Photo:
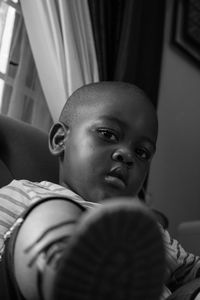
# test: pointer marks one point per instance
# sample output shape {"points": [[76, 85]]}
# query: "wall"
{"points": [[174, 182]]}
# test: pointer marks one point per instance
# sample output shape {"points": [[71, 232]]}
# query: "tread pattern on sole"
{"points": [[116, 253]]}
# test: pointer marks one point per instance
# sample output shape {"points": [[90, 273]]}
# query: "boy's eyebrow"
{"points": [[114, 119]]}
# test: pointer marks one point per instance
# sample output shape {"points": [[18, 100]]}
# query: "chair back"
{"points": [[24, 153]]}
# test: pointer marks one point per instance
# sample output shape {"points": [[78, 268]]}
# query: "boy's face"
{"points": [[109, 148]]}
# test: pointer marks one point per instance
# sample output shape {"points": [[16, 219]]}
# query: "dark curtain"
{"points": [[128, 38]]}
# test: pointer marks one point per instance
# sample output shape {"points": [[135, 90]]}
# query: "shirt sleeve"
{"points": [[13, 201], [182, 266]]}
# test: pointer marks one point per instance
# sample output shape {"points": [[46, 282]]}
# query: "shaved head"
{"points": [[90, 95]]}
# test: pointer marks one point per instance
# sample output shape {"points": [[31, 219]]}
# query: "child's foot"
{"points": [[116, 253]]}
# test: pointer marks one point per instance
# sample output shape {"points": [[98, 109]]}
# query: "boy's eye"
{"points": [[143, 154], [108, 134]]}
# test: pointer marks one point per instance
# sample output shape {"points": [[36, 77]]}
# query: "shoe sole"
{"points": [[116, 253]]}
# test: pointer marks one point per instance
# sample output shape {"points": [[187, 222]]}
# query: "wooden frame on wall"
{"points": [[186, 27]]}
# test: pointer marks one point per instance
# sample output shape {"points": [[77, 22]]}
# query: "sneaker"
{"points": [[116, 252]]}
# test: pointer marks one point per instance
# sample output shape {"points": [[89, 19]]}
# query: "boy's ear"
{"points": [[57, 138]]}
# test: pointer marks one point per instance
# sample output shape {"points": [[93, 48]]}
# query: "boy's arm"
{"points": [[182, 267], [39, 243]]}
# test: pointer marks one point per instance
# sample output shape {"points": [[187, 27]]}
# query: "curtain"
{"points": [[61, 39], [76, 42], [128, 37]]}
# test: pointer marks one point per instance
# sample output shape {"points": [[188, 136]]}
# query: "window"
{"points": [[8, 12], [21, 95]]}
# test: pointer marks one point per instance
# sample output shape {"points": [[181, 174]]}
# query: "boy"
{"points": [[105, 140]]}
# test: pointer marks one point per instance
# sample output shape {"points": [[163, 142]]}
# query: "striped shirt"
{"points": [[19, 194], [182, 267]]}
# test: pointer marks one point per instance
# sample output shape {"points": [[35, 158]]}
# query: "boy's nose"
{"points": [[124, 156]]}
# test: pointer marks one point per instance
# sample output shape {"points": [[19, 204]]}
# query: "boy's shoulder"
{"points": [[24, 192]]}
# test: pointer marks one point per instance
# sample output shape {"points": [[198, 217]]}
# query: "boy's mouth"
{"points": [[117, 177]]}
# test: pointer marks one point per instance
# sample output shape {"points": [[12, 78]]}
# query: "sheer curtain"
{"points": [[61, 39]]}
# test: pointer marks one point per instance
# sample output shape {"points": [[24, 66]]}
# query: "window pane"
{"points": [[3, 14], [5, 97], [6, 35], [1, 92]]}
